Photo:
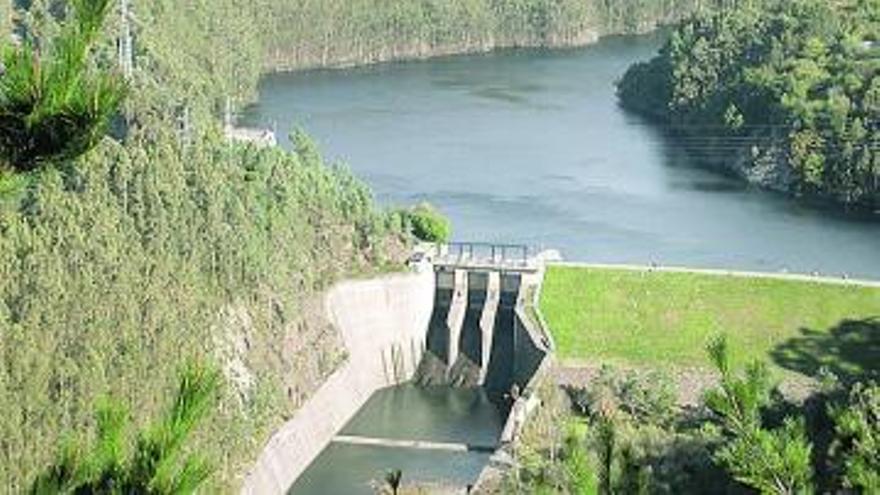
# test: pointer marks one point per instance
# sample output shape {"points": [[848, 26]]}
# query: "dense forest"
{"points": [[308, 33], [167, 242], [114, 274], [784, 93]]}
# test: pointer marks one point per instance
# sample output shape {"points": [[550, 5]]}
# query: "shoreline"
{"points": [[422, 52]]}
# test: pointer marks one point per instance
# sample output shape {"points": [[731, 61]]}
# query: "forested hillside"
{"points": [[170, 243], [787, 93], [167, 242], [308, 33], [238, 40]]}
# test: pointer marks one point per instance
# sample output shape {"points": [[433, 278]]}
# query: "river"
{"points": [[531, 147]]}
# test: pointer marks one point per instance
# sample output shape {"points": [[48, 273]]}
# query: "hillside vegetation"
{"points": [[169, 244], [786, 93], [166, 242], [309, 33], [198, 53], [679, 382], [114, 274]]}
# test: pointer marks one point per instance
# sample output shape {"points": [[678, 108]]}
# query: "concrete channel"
{"points": [[433, 358]]}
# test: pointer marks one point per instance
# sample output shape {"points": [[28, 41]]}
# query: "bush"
{"points": [[429, 225], [771, 461], [159, 462], [857, 425], [646, 397]]}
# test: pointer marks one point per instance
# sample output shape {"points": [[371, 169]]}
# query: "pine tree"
{"points": [[54, 104], [772, 461], [158, 464]]}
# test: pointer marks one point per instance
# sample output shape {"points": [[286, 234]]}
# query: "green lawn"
{"points": [[665, 319]]}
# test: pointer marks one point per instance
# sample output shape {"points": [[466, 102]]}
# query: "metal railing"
{"points": [[485, 255]]}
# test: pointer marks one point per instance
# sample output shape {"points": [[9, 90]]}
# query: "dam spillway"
{"points": [[469, 366], [444, 406], [385, 433], [501, 367], [477, 337]]}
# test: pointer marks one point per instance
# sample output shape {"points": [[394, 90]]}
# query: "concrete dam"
{"points": [[437, 358], [475, 337]]}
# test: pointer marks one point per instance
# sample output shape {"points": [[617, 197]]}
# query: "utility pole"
{"points": [[184, 123], [126, 55], [227, 116]]}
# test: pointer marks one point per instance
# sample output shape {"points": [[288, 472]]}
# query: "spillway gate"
{"points": [[476, 336]]}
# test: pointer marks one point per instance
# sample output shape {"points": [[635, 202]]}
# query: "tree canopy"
{"points": [[790, 85]]}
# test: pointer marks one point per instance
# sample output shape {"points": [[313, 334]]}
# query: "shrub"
{"points": [[646, 397], [772, 461], [429, 225], [857, 425], [579, 471]]}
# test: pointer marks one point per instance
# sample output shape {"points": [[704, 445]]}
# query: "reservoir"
{"points": [[531, 147]]}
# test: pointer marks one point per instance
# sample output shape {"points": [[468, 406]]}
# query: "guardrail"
{"points": [[487, 256]]}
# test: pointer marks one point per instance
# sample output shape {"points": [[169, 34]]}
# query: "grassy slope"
{"points": [[641, 318]]}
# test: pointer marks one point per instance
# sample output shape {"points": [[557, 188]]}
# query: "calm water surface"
{"points": [[438, 414], [532, 147]]}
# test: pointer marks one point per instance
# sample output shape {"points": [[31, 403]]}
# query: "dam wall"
{"points": [[528, 350], [383, 324], [479, 333], [444, 329], [485, 337], [502, 356]]}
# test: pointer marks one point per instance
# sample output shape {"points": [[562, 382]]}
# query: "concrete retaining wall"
{"points": [[383, 324], [532, 357]]}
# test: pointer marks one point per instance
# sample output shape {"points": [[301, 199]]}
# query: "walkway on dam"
{"points": [[479, 256]]}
